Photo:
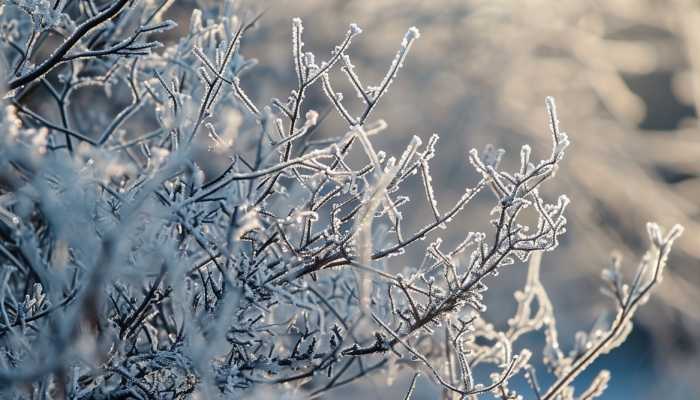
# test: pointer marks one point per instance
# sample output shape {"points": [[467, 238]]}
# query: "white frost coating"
{"points": [[374, 94], [297, 49], [336, 99], [243, 97], [412, 34], [429, 192], [355, 29], [525, 164], [160, 27], [561, 140], [312, 117], [367, 146], [349, 70], [408, 154], [552, 112]]}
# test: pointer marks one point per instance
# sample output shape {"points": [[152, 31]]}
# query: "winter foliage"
{"points": [[127, 270]]}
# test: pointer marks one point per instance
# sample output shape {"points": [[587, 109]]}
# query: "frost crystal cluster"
{"points": [[133, 267]]}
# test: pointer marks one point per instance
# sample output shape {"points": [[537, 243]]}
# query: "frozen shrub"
{"points": [[129, 271]]}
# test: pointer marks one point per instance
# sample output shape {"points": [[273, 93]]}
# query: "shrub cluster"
{"points": [[129, 271]]}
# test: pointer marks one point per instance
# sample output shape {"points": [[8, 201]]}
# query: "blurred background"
{"points": [[626, 76]]}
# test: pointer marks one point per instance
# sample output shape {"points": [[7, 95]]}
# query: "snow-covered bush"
{"points": [[132, 266]]}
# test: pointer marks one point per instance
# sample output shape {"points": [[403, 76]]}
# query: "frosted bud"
{"points": [[355, 29], [413, 33], [312, 117], [196, 21]]}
